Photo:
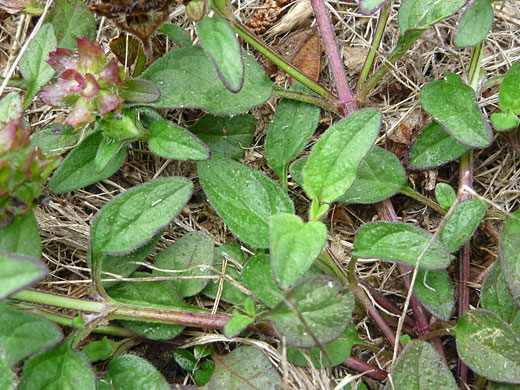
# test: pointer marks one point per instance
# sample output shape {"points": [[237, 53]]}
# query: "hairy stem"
{"points": [[366, 368], [411, 193], [306, 98], [347, 103]]}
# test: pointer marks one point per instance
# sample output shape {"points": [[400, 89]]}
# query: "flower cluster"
{"points": [[86, 80], [23, 170]]}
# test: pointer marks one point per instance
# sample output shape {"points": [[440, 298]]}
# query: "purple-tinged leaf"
{"points": [[510, 254]]}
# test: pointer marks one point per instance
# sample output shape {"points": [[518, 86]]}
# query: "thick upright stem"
{"points": [[347, 103]]}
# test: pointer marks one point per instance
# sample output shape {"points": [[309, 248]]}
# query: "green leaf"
{"points": [[230, 293], [221, 45], [433, 147], [289, 131], [246, 368], [6, 375], [188, 253], [97, 350], [294, 247], [453, 104], [445, 195], [394, 241], [338, 350], [474, 24], [185, 359], [258, 277], [368, 7], [153, 293], [510, 254], [55, 139], [79, 168], [462, 223], [22, 237], [225, 137], [419, 14], [204, 372], [177, 34], [502, 386], [249, 307], [132, 218], [58, 368], [23, 333], [201, 351], [10, 106], [296, 170], [434, 290], [509, 95], [236, 324], [33, 66], [489, 346], [495, 296], [243, 197], [503, 121], [380, 176], [19, 272], [187, 78], [322, 303], [139, 91], [108, 149], [420, 367], [72, 19], [334, 161], [125, 265], [132, 372], [171, 141]]}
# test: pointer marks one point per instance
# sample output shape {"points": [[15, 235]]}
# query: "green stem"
{"points": [[376, 41], [474, 69], [306, 98], [46, 298], [411, 193]]}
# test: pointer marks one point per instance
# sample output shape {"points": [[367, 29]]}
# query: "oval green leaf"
{"points": [[420, 367], [10, 106], [510, 254], [394, 241], [192, 253], [177, 34], [221, 45], [171, 141], [294, 247], [243, 197], [420, 14], [509, 95], [474, 24], [236, 324], [187, 78], [22, 237], [72, 19], [132, 372], [333, 163], [380, 176], [488, 345], [257, 276], [19, 272], [323, 304], [462, 223], [6, 375], [453, 104], [108, 149], [435, 291], [445, 195], [55, 139]]}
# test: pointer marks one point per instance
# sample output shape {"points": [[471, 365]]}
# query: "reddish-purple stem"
{"points": [[347, 103], [369, 370]]}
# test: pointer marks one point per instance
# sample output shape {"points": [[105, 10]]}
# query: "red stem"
{"points": [[369, 370]]}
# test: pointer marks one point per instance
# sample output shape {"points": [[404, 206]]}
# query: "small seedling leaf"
{"points": [[462, 223], [22, 333], [221, 45], [294, 247], [445, 195], [246, 368], [380, 176], [333, 163], [18, 272], [161, 293], [395, 241], [194, 253], [435, 291], [225, 136], [132, 372], [58, 368], [171, 141], [420, 367], [177, 34], [97, 350], [237, 324], [323, 304], [368, 7], [509, 95], [510, 254], [204, 372], [433, 147], [453, 104], [79, 168], [502, 121], [488, 345], [419, 14], [72, 19], [289, 131], [55, 139], [474, 24], [185, 359], [187, 78], [243, 197], [21, 237]]}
